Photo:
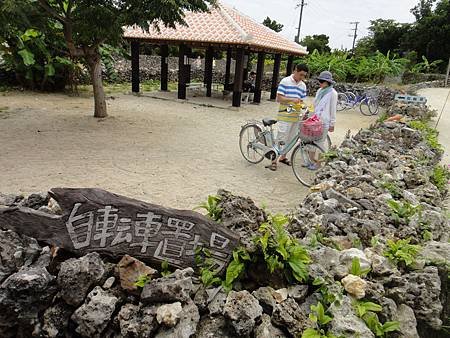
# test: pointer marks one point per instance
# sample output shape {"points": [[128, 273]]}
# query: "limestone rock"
{"points": [[77, 276], [23, 295], [169, 314], [94, 315], [420, 290], [130, 269], [214, 327], [137, 321], [16, 251], [217, 302], [35, 201], [345, 323], [291, 316], [347, 256], [267, 330], [437, 252], [355, 286], [265, 297], [242, 309], [177, 287], [408, 324], [187, 325], [55, 320]]}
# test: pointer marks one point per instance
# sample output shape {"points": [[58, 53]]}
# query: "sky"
{"points": [[330, 17]]}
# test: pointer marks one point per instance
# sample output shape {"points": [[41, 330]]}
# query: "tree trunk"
{"points": [[95, 70]]}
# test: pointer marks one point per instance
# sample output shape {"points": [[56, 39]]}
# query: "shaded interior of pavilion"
{"points": [[234, 79]]}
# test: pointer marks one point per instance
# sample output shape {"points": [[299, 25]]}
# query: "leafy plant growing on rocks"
{"points": [[236, 267], [402, 251], [206, 264], [212, 208], [330, 155], [142, 280], [430, 135], [392, 187], [331, 291], [402, 211], [165, 268], [281, 251], [367, 312], [356, 269], [321, 319], [440, 177]]}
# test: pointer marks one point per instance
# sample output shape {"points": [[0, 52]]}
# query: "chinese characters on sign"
{"points": [[160, 236]]}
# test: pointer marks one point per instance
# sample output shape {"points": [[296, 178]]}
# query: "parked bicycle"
{"points": [[368, 105], [257, 141]]}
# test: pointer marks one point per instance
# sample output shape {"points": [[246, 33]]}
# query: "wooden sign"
{"points": [[114, 225]]}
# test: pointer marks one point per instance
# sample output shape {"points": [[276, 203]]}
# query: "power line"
{"points": [[301, 5], [355, 34]]}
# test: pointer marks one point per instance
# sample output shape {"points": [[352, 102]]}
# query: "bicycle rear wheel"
{"points": [[342, 102], [250, 134], [306, 159]]}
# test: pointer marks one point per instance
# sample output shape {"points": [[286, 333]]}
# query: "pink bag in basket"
{"points": [[312, 127]]}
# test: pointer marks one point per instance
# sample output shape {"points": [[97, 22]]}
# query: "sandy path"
{"points": [[164, 152]]}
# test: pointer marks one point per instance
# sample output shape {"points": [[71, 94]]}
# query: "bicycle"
{"points": [[368, 105], [256, 142]]}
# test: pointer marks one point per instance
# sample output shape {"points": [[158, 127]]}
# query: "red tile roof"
{"points": [[222, 25]]}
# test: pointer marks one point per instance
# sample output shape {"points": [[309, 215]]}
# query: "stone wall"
{"points": [[46, 292]]}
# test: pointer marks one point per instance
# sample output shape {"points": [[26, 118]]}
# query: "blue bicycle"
{"points": [[368, 105]]}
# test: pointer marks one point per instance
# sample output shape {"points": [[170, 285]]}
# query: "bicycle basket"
{"points": [[312, 130]]}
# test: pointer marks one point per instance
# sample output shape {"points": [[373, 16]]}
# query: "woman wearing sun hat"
{"points": [[325, 102], [325, 105]]}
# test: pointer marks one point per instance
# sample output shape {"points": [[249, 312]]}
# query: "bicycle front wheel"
{"points": [[249, 135], [342, 102], [364, 107], [306, 159], [373, 106]]}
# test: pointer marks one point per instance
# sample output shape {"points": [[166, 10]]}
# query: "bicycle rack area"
{"points": [[410, 99]]}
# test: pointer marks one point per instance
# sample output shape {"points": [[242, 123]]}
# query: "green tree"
{"points": [[430, 33], [87, 25], [30, 46], [273, 25], [316, 42], [384, 36]]}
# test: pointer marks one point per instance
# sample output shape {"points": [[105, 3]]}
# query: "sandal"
{"points": [[285, 161], [272, 166]]}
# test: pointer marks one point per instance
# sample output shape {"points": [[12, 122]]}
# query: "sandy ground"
{"points": [[165, 152]]}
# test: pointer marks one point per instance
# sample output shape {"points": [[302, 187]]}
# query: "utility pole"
{"points": [[301, 5], [355, 34]]}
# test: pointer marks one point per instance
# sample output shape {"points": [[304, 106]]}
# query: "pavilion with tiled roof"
{"points": [[222, 28]]}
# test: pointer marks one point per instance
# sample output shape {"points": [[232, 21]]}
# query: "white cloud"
{"points": [[330, 17]]}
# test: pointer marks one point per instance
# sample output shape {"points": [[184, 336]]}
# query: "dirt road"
{"points": [[163, 152]]}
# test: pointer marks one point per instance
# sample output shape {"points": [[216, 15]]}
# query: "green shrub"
{"points": [[403, 211], [212, 208], [392, 187], [236, 267], [142, 280], [205, 264], [356, 270], [281, 251], [367, 312], [402, 251], [440, 177], [429, 134]]}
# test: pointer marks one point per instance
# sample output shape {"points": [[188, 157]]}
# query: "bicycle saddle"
{"points": [[269, 121]]}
